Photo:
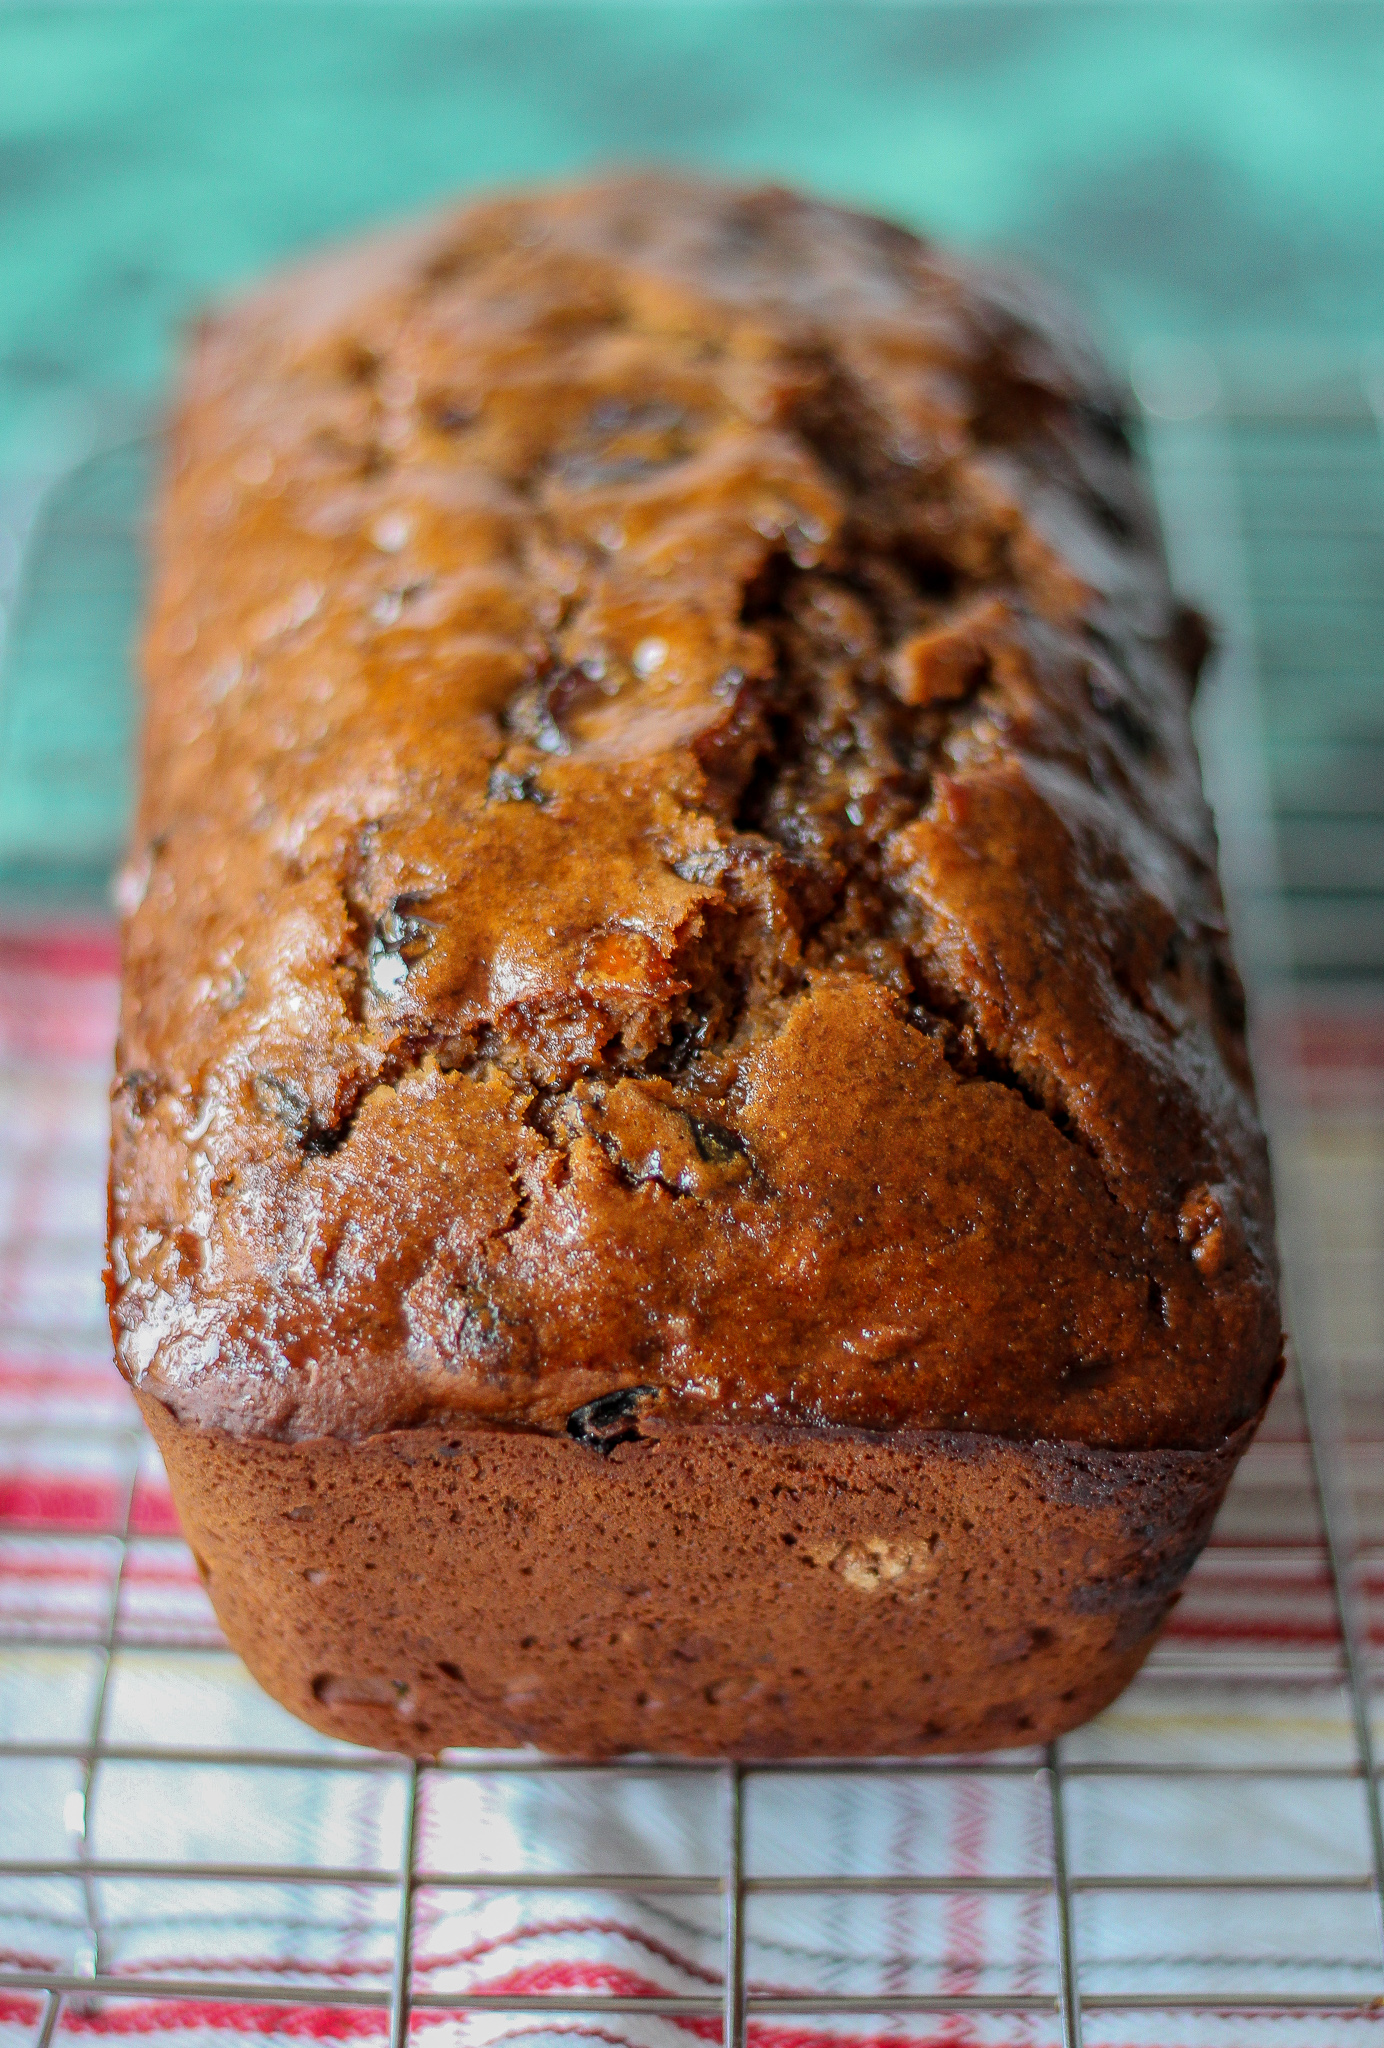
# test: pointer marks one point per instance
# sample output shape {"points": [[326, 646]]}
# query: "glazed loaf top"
{"points": [[672, 857]]}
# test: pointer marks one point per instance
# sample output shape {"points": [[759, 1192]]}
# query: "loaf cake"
{"points": [[685, 1172]]}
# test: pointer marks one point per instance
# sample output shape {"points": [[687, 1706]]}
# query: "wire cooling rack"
{"points": [[1203, 1864]]}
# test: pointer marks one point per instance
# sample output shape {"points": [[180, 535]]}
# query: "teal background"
{"points": [[1187, 169], [1194, 173]]}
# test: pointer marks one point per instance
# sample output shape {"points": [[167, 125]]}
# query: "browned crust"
{"points": [[671, 854], [753, 1592]]}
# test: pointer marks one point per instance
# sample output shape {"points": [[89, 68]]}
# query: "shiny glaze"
{"points": [[672, 856]]}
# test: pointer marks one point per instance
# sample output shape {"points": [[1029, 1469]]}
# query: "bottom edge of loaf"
{"points": [[731, 1591]]}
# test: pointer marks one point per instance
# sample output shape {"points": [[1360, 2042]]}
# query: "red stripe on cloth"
{"points": [[88, 1505], [78, 950], [18, 2009], [186, 2015], [44, 1502], [1335, 1041], [489, 1945], [64, 1382], [58, 993], [38, 1571], [1233, 1630], [41, 1022], [607, 1979], [337, 2023], [153, 1513]]}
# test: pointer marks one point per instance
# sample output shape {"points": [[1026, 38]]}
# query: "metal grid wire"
{"points": [[1206, 1857]]}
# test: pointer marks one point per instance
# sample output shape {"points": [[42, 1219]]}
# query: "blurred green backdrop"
{"points": [[1203, 171], [1215, 170]]}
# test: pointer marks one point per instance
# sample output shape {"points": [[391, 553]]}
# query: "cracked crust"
{"points": [[672, 858]]}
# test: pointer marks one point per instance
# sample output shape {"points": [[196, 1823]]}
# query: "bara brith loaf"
{"points": [[685, 1170]]}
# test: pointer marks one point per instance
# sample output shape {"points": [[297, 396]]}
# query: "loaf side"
{"points": [[704, 1590]]}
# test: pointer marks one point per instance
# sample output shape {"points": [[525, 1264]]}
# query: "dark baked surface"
{"points": [[672, 858]]}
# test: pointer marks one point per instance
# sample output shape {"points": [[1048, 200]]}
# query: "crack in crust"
{"points": [[882, 664], [674, 854]]}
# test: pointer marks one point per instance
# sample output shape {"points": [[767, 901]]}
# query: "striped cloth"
{"points": [[1233, 1757]]}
